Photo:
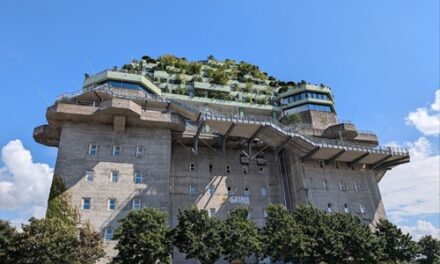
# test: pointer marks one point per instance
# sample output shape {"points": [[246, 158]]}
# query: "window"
{"points": [[111, 204], [192, 189], [136, 204], [90, 175], [228, 169], [329, 208], [324, 185], [140, 152], [116, 150], [93, 149], [210, 168], [114, 176], [229, 190], [192, 166], [244, 169], [247, 192], [265, 213], [342, 186], [211, 212], [356, 186], [108, 233], [346, 208], [261, 170], [211, 189], [361, 209], [86, 203], [137, 177], [263, 191]]}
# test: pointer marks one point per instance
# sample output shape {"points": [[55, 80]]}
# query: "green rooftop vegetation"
{"points": [[211, 78]]}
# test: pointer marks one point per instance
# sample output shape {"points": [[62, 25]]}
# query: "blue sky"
{"points": [[381, 58]]}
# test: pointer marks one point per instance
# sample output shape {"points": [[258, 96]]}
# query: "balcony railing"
{"points": [[210, 114]]}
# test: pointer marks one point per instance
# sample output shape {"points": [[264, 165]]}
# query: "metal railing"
{"points": [[210, 114]]}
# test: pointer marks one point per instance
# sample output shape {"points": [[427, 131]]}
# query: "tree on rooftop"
{"points": [[143, 237], [198, 235], [397, 246], [430, 249], [241, 237]]}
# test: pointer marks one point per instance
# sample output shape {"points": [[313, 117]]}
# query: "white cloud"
{"points": [[426, 120], [24, 185], [421, 229], [436, 105], [413, 189]]}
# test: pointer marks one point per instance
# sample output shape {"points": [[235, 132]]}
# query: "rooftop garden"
{"points": [[246, 82]]}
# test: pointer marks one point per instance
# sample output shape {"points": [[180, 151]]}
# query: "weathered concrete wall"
{"points": [[219, 179], [73, 161], [319, 184]]}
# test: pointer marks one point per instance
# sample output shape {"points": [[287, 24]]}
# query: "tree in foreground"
{"points": [[241, 236], [144, 237], [396, 246], [54, 241], [198, 235], [7, 237], [283, 237], [430, 249], [337, 238]]}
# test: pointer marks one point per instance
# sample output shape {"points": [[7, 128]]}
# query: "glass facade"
{"points": [[306, 107], [125, 85], [298, 97]]}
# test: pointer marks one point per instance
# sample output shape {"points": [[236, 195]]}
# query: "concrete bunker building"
{"points": [[154, 135]]}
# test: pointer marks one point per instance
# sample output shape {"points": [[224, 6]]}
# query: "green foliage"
{"points": [[430, 248], [144, 237], [396, 245], [194, 68], [241, 236], [53, 241], [59, 203], [220, 77], [283, 237], [198, 236], [7, 237], [338, 238]]}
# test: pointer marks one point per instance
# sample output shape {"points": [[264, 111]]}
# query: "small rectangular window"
{"points": [[114, 177], [211, 189], [324, 185], [108, 233], [116, 150], [192, 189], [244, 169], [342, 186], [93, 149], [261, 170], [265, 213], [211, 212], [137, 177], [90, 175], [247, 192], [136, 204], [329, 208], [346, 208], [111, 204], [210, 168], [263, 191], [140, 152], [362, 209], [230, 192], [356, 186], [228, 169], [86, 203], [192, 166]]}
